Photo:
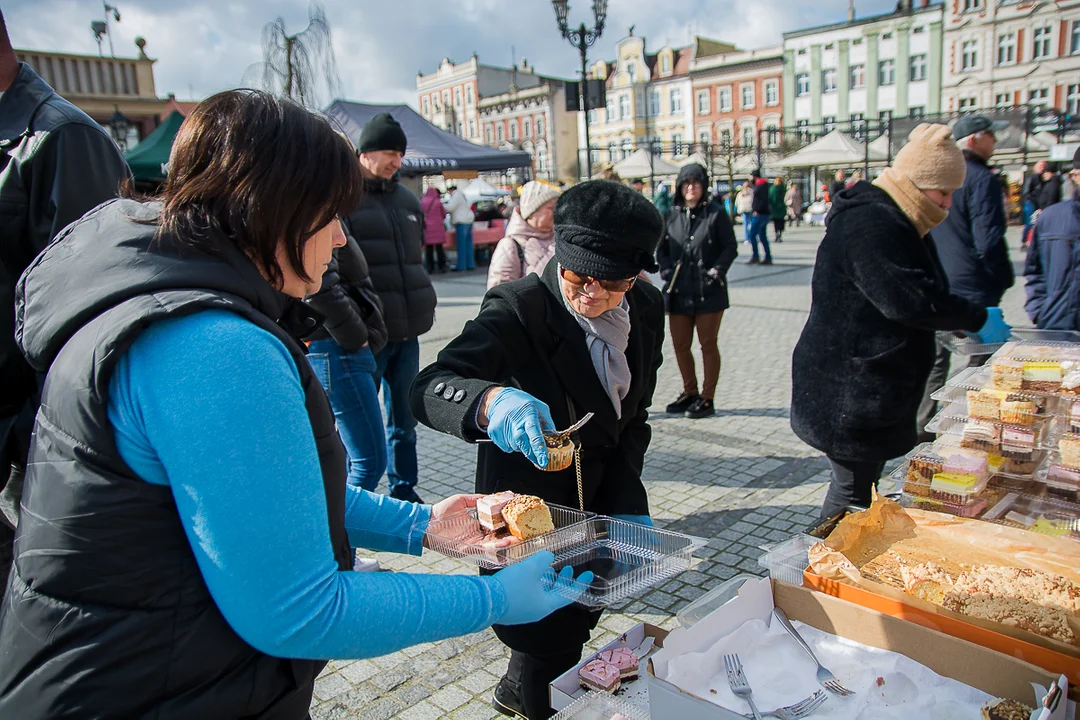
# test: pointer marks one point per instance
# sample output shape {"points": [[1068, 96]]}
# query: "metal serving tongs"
{"points": [[568, 431]]}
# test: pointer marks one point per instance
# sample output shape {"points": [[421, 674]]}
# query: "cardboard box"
{"points": [[566, 688], [992, 672]]}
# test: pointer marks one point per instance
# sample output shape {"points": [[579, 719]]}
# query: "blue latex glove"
{"points": [[639, 519], [996, 330], [516, 423], [529, 588]]}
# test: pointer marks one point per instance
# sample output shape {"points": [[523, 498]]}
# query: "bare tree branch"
{"points": [[296, 65]]}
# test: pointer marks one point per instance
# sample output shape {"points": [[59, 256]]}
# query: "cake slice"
{"points": [[1074, 418], [489, 510], [1007, 374], [1069, 447], [981, 436], [527, 516], [1070, 383], [599, 675], [1007, 710], [985, 404], [1043, 376], [1018, 410], [1017, 443], [624, 659], [1063, 482], [926, 581]]}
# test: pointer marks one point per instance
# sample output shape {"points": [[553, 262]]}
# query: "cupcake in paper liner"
{"points": [[560, 448]]}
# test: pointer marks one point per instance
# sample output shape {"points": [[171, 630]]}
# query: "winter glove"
{"points": [[665, 273], [516, 423], [529, 587], [995, 330], [639, 519]]}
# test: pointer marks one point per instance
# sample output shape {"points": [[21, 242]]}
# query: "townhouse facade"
{"points": [[738, 97]]}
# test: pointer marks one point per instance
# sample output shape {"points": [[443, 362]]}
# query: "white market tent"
{"points": [[479, 188], [637, 165], [836, 148], [694, 158]]}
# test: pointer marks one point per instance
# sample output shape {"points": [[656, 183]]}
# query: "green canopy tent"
{"points": [[148, 159]]}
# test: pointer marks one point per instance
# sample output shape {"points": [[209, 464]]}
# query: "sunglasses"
{"points": [[582, 280]]}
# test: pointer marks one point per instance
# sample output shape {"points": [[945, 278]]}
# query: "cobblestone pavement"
{"points": [[741, 479]]}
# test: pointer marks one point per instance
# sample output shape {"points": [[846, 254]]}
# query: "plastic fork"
{"points": [[738, 683], [824, 676], [799, 710]]}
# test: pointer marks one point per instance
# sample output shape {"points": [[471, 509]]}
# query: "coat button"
{"points": [[448, 394], [459, 396], [439, 388], [309, 321]]}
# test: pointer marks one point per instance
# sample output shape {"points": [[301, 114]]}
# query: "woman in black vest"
{"points": [[183, 550], [586, 336]]}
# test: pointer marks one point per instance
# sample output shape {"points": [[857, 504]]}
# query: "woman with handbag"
{"points": [[695, 253]]}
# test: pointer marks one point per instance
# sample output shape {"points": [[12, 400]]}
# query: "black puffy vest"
{"points": [[106, 613]]}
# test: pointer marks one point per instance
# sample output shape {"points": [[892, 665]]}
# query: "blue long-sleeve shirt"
{"points": [[212, 406]]}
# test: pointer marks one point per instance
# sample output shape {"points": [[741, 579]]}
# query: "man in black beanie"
{"points": [[389, 226], [586, 336]]}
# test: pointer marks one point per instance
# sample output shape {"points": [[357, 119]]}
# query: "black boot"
{"points": [[507, 696], [681, 404], [702, 408]]}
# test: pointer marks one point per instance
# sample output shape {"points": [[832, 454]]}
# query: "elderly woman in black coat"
{"points": [[695, 254], [879, 294], [543, 351]]}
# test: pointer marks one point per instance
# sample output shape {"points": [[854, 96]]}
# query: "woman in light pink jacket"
{"points": [[530, 239], [434, 230]]}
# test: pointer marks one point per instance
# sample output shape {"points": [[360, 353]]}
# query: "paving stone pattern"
{"points": [[741, 479]]}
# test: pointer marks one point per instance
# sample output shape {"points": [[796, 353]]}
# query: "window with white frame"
{"points": [[425, 106], [802, 128], [539, 127], [612, 152], [772, 93], [884, 116], [631, 70], [609, 110], [704, 137], [499, 132], [541, 158], [828, 123], [857, 123], [624, 106], [1003, 100], [627, 148], [1039, 96], [526, 127], [675, 97], [887, 72], [747, 135], [654, 103], [513, 130], [487, 134], [916, 111], [828, 80], [665, 63], [723, 98], [594, 115], [970, 5], [968, 103], [677, 141], [460, 129], [457, 97], [595, 155], [746, 91], [1040, 46], [1072, 100], [472, 128], [772, 135], [917, 68], [725, 137], [445, 99], [969, 59], [468, 95], [1006, 54], [802, 85], [703, 102], [857, 78], [1074, 43]]}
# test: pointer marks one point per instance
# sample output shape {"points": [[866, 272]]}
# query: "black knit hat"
{"points": [[606, 230], [382, 132]]}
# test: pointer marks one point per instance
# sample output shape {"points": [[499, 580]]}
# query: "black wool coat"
{"points": [[525, 337], [349, 301], [862, 361], [696, 240]]}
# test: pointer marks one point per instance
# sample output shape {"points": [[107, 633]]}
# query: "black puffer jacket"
{"points": [[696, 241], [349, 301], [389, 227], [861, 364]]}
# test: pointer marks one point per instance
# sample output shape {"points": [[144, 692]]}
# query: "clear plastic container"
{"points": [[624, 557], [1007, 461], [786, 560], [994, 405], [1042, 515], [715, 598], [972, 509], [595, 705], [957, 427], [961, 344], [1059, 481], [981, 378], [1044, 336], [461, 536]]}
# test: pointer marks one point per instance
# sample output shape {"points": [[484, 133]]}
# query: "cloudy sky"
{"points": [[203, 46]]}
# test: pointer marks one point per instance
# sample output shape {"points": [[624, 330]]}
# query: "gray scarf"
{"points": [[607, 337]]}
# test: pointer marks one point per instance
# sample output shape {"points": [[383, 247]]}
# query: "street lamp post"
{"points": [[119, 125], [582, 38]]}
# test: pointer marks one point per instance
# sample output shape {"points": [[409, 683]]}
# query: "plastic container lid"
{"points": [[786, 560], [981, 378], [595, 705], [952, 423], [963, 345], [1048, 516], [719, 596]]}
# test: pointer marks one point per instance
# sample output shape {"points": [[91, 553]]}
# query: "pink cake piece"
{"points": [[624, 659], [599, 675], [489, 509], [963, 465], [619, 716]]}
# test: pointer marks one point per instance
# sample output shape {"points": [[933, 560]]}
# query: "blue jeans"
{"points": [[747, 222], [757, 232], [463, 238], [347, 379], [395, 369], [1029, 212]]}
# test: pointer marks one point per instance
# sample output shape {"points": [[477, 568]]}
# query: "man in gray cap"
{"points": [[1053, 261], [971, 240]]}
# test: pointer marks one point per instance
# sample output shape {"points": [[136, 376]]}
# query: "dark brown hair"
{"points": [[256, 170]]}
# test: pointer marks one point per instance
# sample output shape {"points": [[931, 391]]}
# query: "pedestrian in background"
{"points": [[971, 242], [638, 185], [1031, 195], [744, 206], [529, 242], [839, 183], [461, 216], [777, 204], [793, 201], [1050, 193], [759, 223], [1053, 263], [695, 253], [662, 200], [388, 225], [878, 296], [56, 165], [434, 231]]}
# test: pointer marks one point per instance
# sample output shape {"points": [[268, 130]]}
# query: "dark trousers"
{"points": [[778, 227], [396, 366], [528, 677], [939, 374], [434, 257], [852, 483]]}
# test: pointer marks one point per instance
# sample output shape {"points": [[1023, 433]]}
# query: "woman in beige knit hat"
{"points": [[879, 295], [530, 236]]}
